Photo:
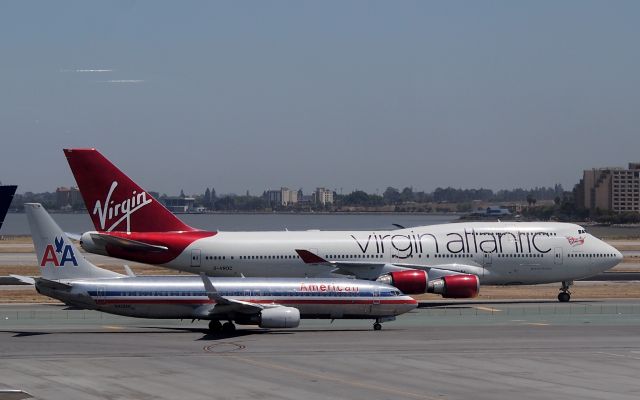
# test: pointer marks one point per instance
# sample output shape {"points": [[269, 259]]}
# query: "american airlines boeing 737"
{"points": [[448, 259], [266, 302]]}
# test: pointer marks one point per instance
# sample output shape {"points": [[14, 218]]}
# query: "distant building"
{"points": [[282, 197], [495, 211], [179, 204], [610, 189], [68, 197], [323, 196]]}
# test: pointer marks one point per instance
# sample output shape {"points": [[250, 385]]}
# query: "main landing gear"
{"points": [[377, 326], [216, 326], [565, 295], [228, 327]]}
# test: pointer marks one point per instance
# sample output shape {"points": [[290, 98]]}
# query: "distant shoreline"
{"points": [[458, 214]]}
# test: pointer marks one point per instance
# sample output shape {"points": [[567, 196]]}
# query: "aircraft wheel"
{"points": [[215, 326], [377, 326], [564, 297], [228, 327]]}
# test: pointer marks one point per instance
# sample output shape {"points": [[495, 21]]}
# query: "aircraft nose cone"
{"points": [[619, 256], [409, 304]]}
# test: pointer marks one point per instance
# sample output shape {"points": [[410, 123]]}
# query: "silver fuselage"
{"points": [[185, 297]]}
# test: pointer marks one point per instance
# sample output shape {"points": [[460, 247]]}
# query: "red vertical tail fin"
{"points": [[114, 201]]}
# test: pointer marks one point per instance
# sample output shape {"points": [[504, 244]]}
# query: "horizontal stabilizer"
{"points": [[55, 285], [24, 279], [127, 244], [73, 236]]}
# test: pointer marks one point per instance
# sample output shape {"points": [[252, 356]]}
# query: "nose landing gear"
{"points": [[378, 324], [565, 295]]}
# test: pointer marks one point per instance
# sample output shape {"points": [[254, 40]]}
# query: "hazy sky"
{"points": [[343, 94]]}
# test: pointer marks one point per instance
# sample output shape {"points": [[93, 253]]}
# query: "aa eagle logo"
{"points": [[60, 255]]}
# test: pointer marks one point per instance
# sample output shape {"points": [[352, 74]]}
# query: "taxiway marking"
{"points": [[490, 309]]}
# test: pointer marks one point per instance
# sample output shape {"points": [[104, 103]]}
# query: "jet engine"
{"points": [[279, 317], [413, 281], [461, 286]]}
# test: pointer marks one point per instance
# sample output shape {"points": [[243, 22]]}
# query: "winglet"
{"points": [[210, 290], [310, 258]]}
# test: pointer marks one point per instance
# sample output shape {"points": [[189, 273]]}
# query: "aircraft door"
{"points": [[100, 293], [487, 260], [375, 304], [557, 259], [195, 258]]}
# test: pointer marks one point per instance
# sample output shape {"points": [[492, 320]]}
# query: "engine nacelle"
{"points": [[279, 317], [461, 286], [413, 281], [87, 243]]}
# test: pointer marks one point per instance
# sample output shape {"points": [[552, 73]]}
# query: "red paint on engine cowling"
{"points": [[410, 282], [461, 286], [176, 242]]}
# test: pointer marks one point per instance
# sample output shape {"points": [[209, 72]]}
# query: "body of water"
{"points": [[16, 224]]}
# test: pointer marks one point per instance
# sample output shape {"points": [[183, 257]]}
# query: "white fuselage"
{"points": [[500, 253]]}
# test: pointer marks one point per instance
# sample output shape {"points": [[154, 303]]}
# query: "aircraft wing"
{"points": [[373, 269], [127, 244]]}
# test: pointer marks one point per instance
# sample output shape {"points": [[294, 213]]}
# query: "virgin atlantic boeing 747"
{"points": [[448, 259]]}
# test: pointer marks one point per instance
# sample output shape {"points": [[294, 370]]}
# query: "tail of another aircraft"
{"points": [[57, 256], [6, 195], [115, 202]]}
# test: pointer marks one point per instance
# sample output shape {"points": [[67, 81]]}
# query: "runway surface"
{"points": [[492, 350]]}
